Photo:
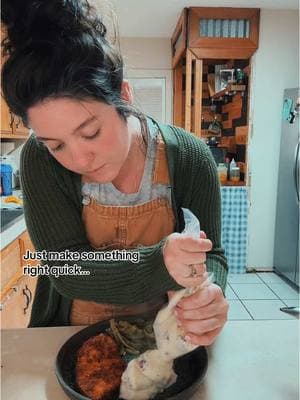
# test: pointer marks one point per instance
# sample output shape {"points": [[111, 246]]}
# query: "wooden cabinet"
{"points": [[11, 125], [220, 32], [207, 42], [216, 32], [16, 304], [10, 265], [6, 119], [17, 290]]}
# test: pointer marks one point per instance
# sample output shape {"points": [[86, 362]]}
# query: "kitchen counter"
{"points": [[249, 360], [16, 227]]}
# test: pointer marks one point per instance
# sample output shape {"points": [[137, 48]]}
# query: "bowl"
{"points": [[190, 368]]}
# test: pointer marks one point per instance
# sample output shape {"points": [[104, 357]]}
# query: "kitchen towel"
{"points": [[234, 227]]}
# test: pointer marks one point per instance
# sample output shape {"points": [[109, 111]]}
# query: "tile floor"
{"points": [[259, 295]]}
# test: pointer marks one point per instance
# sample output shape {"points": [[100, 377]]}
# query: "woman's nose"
{"points": [[83, 158]]}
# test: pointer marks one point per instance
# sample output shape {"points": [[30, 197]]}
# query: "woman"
{"points": [[99, 175]]}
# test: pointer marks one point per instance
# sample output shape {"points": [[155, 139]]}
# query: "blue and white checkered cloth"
{"points": [[234, 227]]}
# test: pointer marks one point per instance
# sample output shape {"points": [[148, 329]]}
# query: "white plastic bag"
{"points": [[143, 377]]}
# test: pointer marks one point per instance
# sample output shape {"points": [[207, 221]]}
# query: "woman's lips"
{"points": [[95, 170]]}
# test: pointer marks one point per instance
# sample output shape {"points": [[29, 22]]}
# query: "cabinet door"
{"points": [[16, 305], [6, 119], [6, 116], [10, 124], [10, 264], [26, 244]]}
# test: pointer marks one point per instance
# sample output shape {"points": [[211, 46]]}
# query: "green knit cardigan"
{"points": [[53, 214]]}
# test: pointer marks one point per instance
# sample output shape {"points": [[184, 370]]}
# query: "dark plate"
{"points": [[189, 368]]}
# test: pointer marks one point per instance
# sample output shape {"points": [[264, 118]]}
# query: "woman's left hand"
{"points": [[202, 315]]}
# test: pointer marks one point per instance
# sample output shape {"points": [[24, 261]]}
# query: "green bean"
{"points": [[133, 338]]}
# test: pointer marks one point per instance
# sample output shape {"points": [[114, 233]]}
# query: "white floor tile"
{"points": [[270, 277], [253, 291], [237, 311], [284, 291], [243, 278], [229, 293], [266, 309]]}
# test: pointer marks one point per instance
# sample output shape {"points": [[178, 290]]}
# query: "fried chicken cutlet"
{"points": [[99, 368]]}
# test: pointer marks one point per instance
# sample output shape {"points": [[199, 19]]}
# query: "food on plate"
{"points": [[152, 371], [99, 368], [146, 376], [133, 338]]}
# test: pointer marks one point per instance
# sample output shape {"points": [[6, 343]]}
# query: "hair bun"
{"points": [[30, 21]]}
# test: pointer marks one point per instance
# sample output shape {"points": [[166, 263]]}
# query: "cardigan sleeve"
{"points": [[54, 223], [200, 192]]}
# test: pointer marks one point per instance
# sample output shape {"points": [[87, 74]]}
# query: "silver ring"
{"points": [[193, 272]]}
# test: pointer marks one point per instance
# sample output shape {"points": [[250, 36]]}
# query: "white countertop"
{"points": [[11, 233], [16, 229], [251, 360]]}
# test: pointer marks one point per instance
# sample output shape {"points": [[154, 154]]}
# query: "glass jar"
{"points": [[234, 174], [222, 172]]}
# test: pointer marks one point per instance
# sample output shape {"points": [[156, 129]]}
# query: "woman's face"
{"points": [[86, 137]]}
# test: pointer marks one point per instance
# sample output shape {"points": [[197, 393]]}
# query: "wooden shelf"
{"points": [[230, 88], [231, 183]]}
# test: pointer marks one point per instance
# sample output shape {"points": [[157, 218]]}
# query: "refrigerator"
{"points": [[286, 246]]}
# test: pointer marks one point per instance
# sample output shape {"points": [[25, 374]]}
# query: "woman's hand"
{"points": [[185, 257], [202, 315]]}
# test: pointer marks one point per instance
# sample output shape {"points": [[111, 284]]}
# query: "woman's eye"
{"points": [[57, 148], [93, 136]]}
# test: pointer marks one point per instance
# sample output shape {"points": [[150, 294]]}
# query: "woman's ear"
{"points": [[126, 92]]}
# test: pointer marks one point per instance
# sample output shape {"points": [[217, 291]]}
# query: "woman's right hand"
{"points": [[185, 258]]}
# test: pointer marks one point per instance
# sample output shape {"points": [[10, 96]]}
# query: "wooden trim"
{"points": [[177, 95], [223, 53], [198, 97], [180, 29], [5, 135], [220, 43], [188, 90], [247, 174], [223, 12]]}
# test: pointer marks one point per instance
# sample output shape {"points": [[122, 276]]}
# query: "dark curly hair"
{"points": [[59, 48]]}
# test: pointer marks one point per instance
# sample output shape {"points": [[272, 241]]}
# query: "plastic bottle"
{"points": [[234, 172], [6, 179], [222, 172]]}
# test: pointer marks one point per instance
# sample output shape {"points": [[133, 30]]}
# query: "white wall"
{"points": [[150, 58], [275, 67], [146, 53]]}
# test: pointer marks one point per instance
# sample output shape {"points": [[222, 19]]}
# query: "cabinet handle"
{"points": [[27, 293]]}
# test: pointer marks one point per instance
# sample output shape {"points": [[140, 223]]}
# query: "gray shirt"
{"points": [[108, 194]]}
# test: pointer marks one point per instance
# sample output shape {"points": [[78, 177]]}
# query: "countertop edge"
{"points": [[11, 233]]}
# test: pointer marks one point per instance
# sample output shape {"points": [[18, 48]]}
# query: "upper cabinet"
{"points": [[11, 126], [216, 32], [211, 60]]}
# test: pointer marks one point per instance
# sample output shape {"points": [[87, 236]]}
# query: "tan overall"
{"points": [[126, 227]]}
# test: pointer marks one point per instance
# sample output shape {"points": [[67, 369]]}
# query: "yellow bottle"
{"points": [[222, 172]]}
